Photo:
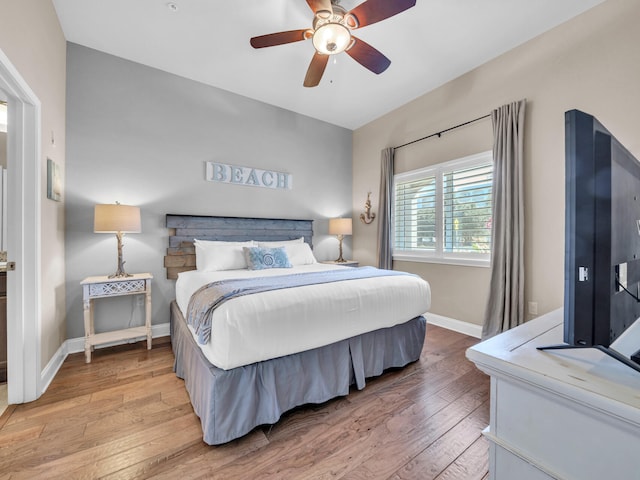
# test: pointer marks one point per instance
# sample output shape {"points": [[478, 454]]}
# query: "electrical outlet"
{"points": [[140, 300], [533, 308]]}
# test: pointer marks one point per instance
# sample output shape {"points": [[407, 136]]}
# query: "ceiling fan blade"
{"points": [[316, 69], [368, 57], [373, 11], [317, 5], [279, 38]]}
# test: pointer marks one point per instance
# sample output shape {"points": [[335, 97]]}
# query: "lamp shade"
{"points": [[340, 226], [114, 218]]}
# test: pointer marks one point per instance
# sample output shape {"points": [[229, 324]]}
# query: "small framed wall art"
{"points": [[54, 181]]}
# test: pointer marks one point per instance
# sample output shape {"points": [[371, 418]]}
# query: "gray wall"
{"points": [[140, 136]]}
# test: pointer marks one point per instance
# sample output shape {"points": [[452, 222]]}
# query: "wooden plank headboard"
{"points": [[183, 229]]}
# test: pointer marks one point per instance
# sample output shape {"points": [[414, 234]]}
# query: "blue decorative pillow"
{"points": [[260, 258]]}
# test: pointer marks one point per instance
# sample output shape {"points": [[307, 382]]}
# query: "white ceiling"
{"points": [[208, 41]]}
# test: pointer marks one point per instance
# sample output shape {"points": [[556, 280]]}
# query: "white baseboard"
{"points": [[50, 370], [76, 345], [459, 326]]}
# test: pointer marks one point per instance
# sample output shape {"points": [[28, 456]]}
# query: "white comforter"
{"points": [[266, 325]]}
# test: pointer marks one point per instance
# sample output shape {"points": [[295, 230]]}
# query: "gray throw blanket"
{"points": [[209, 297]]}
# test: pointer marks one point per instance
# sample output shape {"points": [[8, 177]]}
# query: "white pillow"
{"points": [[219, 255], [280, 243], [300, 254]]}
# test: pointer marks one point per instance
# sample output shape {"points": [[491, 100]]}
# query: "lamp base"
{"points": [[340, 259], [120, 273]]}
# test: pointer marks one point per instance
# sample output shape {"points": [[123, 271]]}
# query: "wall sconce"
{"points": [[118, 219], [367, 217]]}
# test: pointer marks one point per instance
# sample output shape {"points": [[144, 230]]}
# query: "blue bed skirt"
{"points": [[231, 403]]}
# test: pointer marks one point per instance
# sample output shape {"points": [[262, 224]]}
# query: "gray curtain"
{"points": [[385, 229], [505, 308]]}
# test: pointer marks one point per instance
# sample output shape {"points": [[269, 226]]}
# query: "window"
{"points": [[442, 213]]}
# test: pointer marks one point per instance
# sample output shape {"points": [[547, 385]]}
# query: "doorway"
{"points": [[23, 235]]}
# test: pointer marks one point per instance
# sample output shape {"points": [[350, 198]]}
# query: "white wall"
{"points": [[141, 136], [590, 63]]}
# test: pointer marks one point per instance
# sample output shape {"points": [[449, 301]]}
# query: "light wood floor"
{"points": [[126, 415]]}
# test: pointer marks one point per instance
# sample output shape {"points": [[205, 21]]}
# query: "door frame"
{"points": [[23, 239]]}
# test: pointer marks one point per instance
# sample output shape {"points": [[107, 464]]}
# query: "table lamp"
{"points": [[118, 219], [340, 227]]}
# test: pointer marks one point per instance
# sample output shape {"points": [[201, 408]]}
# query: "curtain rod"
{"points": [[443, 131]]}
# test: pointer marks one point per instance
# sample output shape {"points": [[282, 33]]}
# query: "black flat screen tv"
{"points": [[602, 238]]}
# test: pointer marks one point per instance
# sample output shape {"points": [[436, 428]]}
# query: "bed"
{"points": [[261, 353]]}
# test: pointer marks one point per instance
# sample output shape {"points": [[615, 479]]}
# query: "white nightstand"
{"points": [[348, 263], [104, 287]]}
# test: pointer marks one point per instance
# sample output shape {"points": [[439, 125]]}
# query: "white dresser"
{"points": [[570, 414]]}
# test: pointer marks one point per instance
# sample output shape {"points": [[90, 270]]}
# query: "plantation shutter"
{"points": [[416, 214], [467, 209], [442, 213]]}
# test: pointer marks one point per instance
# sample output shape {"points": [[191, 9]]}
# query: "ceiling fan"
{"points": [[331, 34]]}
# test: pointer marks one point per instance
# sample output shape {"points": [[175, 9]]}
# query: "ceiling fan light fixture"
{"points": [[331, 38], [331, 34]]}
